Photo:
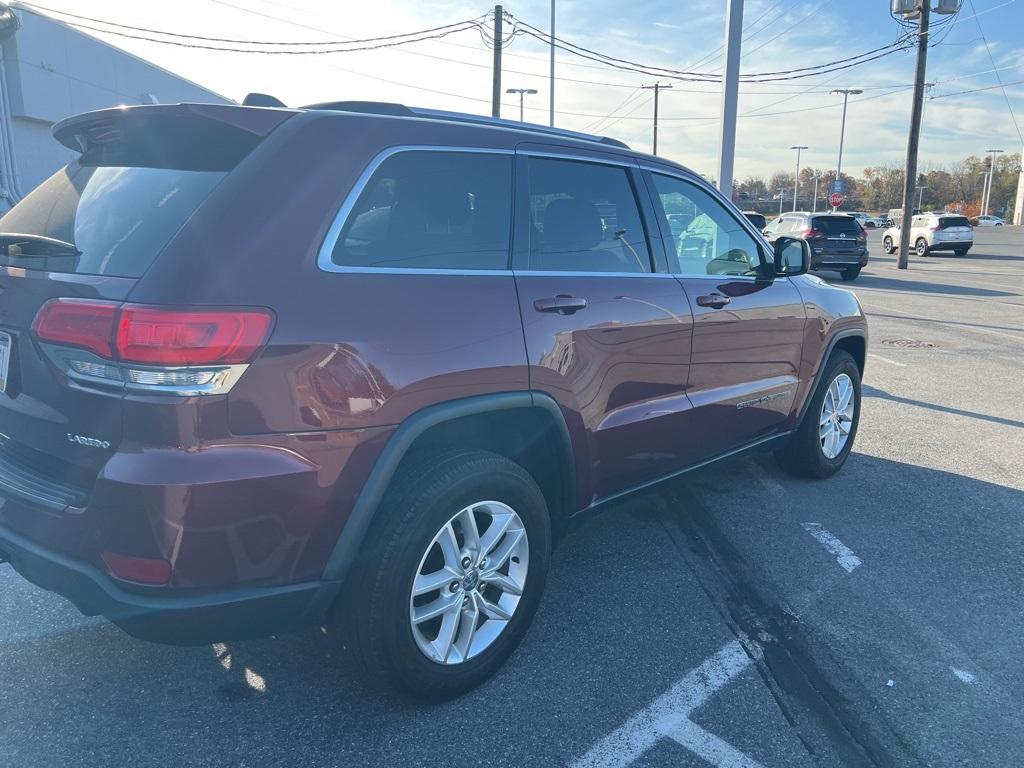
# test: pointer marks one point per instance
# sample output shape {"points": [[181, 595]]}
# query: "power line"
{"points": [[978, 90], [999, 77]]}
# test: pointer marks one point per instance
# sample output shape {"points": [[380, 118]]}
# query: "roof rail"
{"points": [[388, 108]]}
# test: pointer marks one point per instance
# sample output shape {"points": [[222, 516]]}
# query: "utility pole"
{"points": [[730, 94], [796, 179], [814, 205], [657, 88], [551, 108], [987, 203], [910, 176], [522, 92], [496, 75], [847, 92]]}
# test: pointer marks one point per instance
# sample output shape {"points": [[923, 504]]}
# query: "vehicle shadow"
{"points": [[869, 391], [623, 618], [922, 286]]}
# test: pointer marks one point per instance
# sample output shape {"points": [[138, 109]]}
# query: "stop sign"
{"points": [[835, 199]]}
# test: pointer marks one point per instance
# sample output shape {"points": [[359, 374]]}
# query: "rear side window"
{"points": [[431, 210], [101, 219], [953, 221], [584, 218], [834, 226]]}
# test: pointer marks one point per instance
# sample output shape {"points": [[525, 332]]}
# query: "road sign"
{"points": [[838, 186], [835, 199]]}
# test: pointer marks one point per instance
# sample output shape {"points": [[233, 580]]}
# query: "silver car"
{"points": [[933, 232]]}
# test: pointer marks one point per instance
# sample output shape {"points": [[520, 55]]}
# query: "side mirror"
{"points": [[792, 256]]}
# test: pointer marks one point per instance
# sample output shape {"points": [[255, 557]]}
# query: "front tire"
{"points": [[824, 439], [887, 246], [849, 275], [453, 574]]}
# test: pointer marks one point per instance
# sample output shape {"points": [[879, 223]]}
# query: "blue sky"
{"points": [[779, 35]]}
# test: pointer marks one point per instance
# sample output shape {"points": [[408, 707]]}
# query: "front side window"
{"points": [[713, 242], [431, 210], [584, 218]]}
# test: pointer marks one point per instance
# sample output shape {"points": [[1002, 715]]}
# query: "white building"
{"points": [[49, 71]]}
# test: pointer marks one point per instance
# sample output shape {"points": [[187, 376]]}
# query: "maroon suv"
{"points": [[264, 368]]}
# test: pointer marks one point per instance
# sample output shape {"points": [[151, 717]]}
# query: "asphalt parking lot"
{"points": [[737, 617]]}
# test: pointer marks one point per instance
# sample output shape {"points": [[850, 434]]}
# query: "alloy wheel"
{"points": [[836, 416], [469, 582]]}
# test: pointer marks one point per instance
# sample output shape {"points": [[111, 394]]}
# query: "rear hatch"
{"points": [[955, 228], [90, 232], [836, 235]]}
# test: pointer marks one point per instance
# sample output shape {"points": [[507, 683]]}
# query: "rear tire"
{"points": [[805, 454], [849, 275], [887, 246], [428, 501], [961, 251], [921, 247]]}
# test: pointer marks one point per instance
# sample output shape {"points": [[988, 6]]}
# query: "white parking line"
{"points": [[668, 715], [886, 360], [844, 555]]}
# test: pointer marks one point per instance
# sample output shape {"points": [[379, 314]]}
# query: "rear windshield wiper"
{"points": [[19, 245]]}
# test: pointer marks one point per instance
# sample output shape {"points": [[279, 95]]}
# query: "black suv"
{"points": [[838, 241]]}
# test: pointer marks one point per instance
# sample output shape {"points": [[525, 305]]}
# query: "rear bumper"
{"points": [[179, 619]]}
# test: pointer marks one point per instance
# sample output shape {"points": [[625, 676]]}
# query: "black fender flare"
{"points": [[346, 549], [843, 334]]}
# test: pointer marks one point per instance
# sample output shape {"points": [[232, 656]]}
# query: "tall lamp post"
{"points": [[814, 205], [847, 92], [920, 194], [522, 92], [796, 179], [991, 177]]}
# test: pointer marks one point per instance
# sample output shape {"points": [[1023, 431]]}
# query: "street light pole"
{"points": [[991, 177], [847, 92], [796, 179], [814, 205], [782, 195], [920, 195], [551, 99], [730, 94], [522, 92]]}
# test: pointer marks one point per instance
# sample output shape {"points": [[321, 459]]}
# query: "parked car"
{"points": [[987, 221], [757, 219], [312, 368], [896, 216], [838, 241], [865, 220], [933, 232]]}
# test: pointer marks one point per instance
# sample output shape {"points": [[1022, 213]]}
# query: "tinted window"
{"points": [[111, 220], [432, 210], [714, 242], [953, 221], [584, 218], [756, 219], [834, 226]]}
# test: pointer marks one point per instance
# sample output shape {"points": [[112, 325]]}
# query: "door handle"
{"points": [[560, 304], [715, 300]]}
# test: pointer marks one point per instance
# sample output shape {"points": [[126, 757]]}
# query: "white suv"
{"points": [[933, 232]]}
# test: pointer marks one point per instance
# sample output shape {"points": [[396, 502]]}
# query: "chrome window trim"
{"points": [[568, 273], [743, 221], [324, 258]]}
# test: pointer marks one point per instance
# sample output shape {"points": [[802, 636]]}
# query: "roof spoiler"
{"points": [[262, 100]]}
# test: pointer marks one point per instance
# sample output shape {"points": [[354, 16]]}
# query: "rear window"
{"points": [[101, 219], [953, 221], [833, 226]]}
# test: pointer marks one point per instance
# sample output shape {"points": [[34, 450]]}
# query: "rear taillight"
{"points": [[190, 336], [812, 233], [78, 323], [180, 350]]}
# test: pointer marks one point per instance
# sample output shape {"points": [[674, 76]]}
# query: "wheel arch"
{"points": [[527, 427], [851, 340]]}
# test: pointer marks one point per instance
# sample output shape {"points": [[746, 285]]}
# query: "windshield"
{"points": [[115, 219]]}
